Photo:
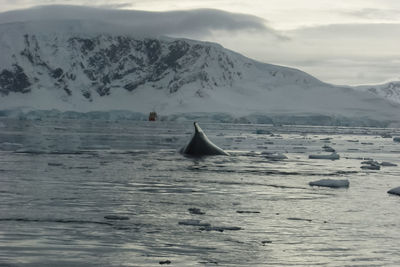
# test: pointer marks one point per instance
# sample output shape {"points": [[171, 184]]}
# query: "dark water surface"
{"points": [[91, 193]]}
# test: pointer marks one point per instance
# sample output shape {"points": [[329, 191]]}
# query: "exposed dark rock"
{"points": [[57, 73], [87, 94], [14, 80], [68, 91], [103, 91]]}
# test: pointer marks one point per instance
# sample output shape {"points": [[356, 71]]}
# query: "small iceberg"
{"points": [[333, 156], [274, 155], [194, 223], [196, 211], [327, 148], [220, 228], [331, 183], [386, 135], [394, 191], [116, 217], [388, 164], [370, 165], [261, 131], [370, 162]]}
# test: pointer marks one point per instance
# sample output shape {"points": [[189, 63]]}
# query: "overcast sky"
{"points": [[342, 42]]}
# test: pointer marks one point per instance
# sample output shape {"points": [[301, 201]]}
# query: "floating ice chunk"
{"points": [[396, 139], [220, 228], [332, 156], [387, 164], [247, 211], [299, 219], [55, 164], [196, 211], [327, 148], [116, 217], [371, 167], [260, 131], [266, 242], [194, 223], [370, 162], [331, 183], [273, 155], [326, 139], [394, 191], [386, 135]]}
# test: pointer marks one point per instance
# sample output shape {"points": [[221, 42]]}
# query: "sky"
{"points": [[348, 42]]}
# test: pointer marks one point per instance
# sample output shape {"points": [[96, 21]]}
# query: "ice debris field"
{"points": [[98, 193]]}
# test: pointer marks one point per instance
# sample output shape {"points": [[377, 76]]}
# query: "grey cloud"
{"points": [[359, 31], [199, 21], [373, 13], [341, 54], [114, 6]]}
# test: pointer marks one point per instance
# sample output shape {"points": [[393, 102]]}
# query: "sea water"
{"points": [[96, 193]]}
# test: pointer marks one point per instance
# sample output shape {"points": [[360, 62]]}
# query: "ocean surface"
{"points": [[95, 193]]}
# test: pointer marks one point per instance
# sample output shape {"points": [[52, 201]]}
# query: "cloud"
{"points": [[373, 13], [198, 22], [339, 53]]}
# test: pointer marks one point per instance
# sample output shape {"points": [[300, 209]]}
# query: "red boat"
{"points": [[153, 116]]}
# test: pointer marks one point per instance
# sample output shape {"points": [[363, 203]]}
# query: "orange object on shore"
{"points": [[153, 116]]}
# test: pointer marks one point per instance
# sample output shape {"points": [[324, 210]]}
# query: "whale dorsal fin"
{"points": [[197, 128]]}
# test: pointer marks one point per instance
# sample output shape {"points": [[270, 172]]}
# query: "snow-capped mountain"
{"points": [[86, 66], [389, 91]]}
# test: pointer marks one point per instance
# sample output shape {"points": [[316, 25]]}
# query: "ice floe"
{"points": [[196, 211], [327, 148], [247, 211], [332, 183], [273, 155], [192, 222], [220, 228], [386, 135], [332, 156], [116, 217], [261, 131], [299, 219], [387, 164], [394, 191], [370, 165]]}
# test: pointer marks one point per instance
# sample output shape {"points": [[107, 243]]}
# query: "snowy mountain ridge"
{"points": [[75, 65], [389, 91]]}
